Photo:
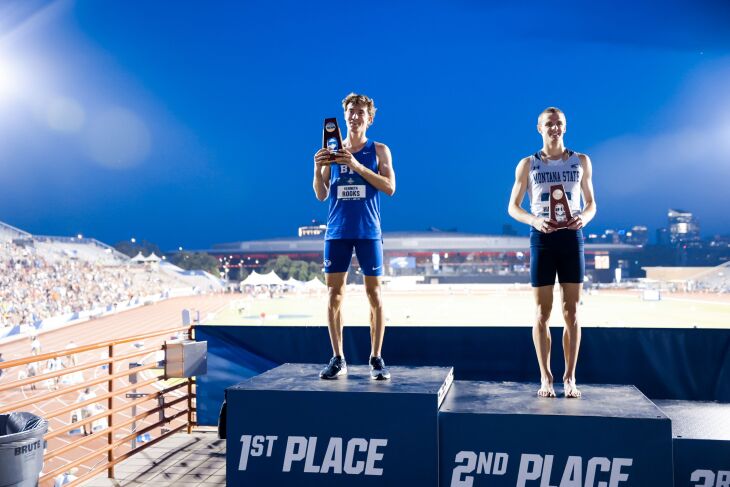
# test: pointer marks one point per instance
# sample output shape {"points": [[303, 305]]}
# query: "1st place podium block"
{"points": [[289, 427], [501, 434]]}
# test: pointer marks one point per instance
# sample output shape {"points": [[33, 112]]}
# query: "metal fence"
{"points": [[172, 401]]}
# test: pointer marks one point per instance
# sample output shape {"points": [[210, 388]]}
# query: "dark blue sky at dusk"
{"points": [[193, 123]]}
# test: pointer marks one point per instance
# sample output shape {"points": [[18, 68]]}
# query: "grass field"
{"points": [[484, 307]]}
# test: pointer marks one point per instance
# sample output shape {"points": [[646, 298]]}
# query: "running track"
{"points": [[147, 319]]}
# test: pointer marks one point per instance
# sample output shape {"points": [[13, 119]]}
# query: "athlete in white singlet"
{"points": [[555, 251]]}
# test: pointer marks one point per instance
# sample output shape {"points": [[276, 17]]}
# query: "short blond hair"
{"points": [[550, 111], [359, 99]]}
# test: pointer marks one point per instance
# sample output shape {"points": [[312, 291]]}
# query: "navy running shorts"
{"points": [[338, 254], [559, 252]]}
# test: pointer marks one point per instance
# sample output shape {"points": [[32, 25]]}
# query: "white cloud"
{"points": [[688, 160]]}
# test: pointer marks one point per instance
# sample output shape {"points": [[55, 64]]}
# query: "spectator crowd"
{"points": [[34, 286]]}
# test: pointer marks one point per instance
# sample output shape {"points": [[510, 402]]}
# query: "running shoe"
{"points": [[334, 369], [378, 371]]}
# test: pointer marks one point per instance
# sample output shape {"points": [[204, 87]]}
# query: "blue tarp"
{"points": [[683, 364]]}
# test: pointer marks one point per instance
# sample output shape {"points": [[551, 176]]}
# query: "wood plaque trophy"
{"points": [[559, 206]]}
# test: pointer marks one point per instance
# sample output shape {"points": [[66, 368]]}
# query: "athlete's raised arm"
{"points": [[322, 171], [384, 179], [519, 189]]}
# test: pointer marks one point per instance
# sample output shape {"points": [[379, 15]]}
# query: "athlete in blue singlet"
{"points": [[555, 251], [353, 183]]}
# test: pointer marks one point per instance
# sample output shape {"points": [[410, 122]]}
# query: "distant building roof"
{"points": [[402, 241]]}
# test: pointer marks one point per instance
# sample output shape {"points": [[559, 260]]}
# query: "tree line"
{"points": [[284, 266]]}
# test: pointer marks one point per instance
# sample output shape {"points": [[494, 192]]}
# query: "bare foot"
{"points": [[546, 388], [571, 390]]}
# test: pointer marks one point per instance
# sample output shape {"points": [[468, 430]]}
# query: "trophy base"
{"points": [[332, 156]]}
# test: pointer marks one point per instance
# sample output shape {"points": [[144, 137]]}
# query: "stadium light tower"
{"points": [[133, 240]]}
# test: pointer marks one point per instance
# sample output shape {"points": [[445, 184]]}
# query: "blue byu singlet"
{"points": [[354, 210]]}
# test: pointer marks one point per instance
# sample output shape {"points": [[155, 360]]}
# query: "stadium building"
{"points": [[437, 256]]}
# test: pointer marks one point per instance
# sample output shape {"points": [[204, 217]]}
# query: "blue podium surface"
{"points": [[701, 432], [502, 434], [289, 427]]}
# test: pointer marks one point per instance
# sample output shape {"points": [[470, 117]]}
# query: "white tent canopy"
{"points": [[272, 278], [314, 284], [256, 279], [294, 283], [142, 259]]}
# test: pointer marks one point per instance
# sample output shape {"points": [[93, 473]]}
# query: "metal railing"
{"points": [[157, 388], [18, 233]]}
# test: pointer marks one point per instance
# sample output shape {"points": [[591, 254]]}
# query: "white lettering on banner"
{"points": [[616, 474], [374, 456], [309, 466], [573, 473], [602, 463], [471, 461], [485, 464], [351, 192], [530, 466], [254, 446], [599, 471], [333, 457], [352, 467], [707, 477], [723, 478], [361, 456]]}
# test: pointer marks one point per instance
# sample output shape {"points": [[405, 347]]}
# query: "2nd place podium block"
{"points": [[288, 427], [500, 434]]}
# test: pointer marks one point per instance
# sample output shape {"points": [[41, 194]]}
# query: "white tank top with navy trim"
{"points": [[547, 172]]}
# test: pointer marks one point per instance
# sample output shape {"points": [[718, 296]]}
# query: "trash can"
{"points": [[21, 449]]}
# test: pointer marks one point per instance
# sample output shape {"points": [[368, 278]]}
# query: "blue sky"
{"points": [[191, 123]]}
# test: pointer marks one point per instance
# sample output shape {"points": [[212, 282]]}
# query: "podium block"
{"points": [[502, 434], [701, 437], [289, 427]]}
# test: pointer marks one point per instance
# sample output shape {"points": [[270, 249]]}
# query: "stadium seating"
{"points": [[50, 277]]}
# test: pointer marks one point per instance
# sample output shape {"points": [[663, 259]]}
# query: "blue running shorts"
{"points": [[369, 252]]}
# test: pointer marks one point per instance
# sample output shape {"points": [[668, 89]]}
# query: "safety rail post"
{"points": [[190, 390], [110, 406], [190, 405], [134, 395]]}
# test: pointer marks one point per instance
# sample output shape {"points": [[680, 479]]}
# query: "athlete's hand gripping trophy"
{"points": [[555, 247], [352, 178]]}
